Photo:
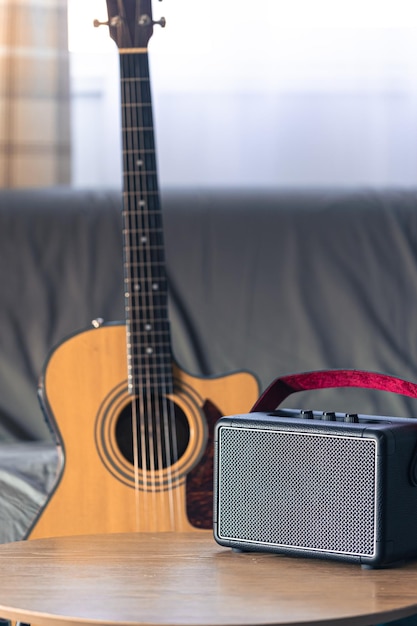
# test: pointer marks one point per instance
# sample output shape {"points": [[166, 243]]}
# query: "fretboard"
{"points": [[146, 297]]}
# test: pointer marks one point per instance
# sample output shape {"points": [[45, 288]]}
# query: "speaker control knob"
{"points": [[352, 418], [308, 415], [330, 416]]}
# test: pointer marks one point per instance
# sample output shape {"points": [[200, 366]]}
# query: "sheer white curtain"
{"points": [[273, 93], [34, 93]]}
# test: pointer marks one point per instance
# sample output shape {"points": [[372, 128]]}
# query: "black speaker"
{"points": [[317, 484]]}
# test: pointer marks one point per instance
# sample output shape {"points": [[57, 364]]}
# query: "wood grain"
{"points": [[186, 579]]}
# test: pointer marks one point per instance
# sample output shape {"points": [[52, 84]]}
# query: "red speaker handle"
{"points": [[284, 386]]}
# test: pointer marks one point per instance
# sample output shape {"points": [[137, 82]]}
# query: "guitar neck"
{"points": [[146, 294]]}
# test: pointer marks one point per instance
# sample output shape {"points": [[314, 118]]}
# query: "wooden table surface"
{"points": [[188, 580]]}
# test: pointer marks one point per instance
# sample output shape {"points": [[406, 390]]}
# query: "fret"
{"points": [[157, 376], [149, 362], [140, 368], [135, 79], [143, 268], [146, 193], [135, 161], [138, 179], [149, 324], [141, 158], [149, 349], [150, 312], [140, 228], [151, 316], [152, 362], [159, 341], [149, 302], [155, 367], [141, 244], [131, 210], [137, 105], [147, 230], [142, 241], [144, 257], [146, 339], [152, 265], [143, 150], [148, 201], [140, 210], [139, 236], [142, 197], [150, 355], [157, 326], [139, 239], [148, 261], [158, 382], [135, 129], [147, 242], [157, 302], [139, 221], [148, 269], [147, 298], [141, 172], [148, 247]]}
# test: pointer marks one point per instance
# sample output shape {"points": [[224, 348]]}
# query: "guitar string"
{"points": [[168, 431], [165, 412], [146, 269], [148, 251], [132, 282], [140, 370]]}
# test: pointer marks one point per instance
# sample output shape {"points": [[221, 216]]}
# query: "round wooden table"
{"points": [[188, 580]]}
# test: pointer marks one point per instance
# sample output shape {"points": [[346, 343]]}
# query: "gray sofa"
{"points": [[274, 282]]}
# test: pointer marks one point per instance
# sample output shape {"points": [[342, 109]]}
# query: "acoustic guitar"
{"points": [[134, 430]]}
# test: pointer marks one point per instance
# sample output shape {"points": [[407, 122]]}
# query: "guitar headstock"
{"points": [[130, 22]]}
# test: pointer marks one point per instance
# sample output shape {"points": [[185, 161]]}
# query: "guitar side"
{"points": [[83, 391]]}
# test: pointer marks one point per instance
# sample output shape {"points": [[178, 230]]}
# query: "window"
{"points": [[272, 93]]}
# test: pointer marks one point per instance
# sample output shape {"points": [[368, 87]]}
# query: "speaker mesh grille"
{"points": [[292, 489]]}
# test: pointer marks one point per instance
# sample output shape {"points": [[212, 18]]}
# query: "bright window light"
{"points": [[229, 46], [325, 91]]}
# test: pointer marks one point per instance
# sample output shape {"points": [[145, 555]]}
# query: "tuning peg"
{"points": [[114, 21], [97, 23], [162, 22], [145, 20]]}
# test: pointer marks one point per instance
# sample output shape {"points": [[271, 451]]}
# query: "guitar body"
{"points": [[85, 396]]}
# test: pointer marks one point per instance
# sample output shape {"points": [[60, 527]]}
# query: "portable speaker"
{"points": [[315, 484]]}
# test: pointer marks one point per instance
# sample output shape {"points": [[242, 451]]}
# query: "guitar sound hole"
{"points": [[162, 435]]}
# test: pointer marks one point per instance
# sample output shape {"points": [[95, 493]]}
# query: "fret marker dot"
{"points": [[148, 327], [149, 350], [155, 286], [139, 163], [141, 202], [137, 287], [143, 239]]}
